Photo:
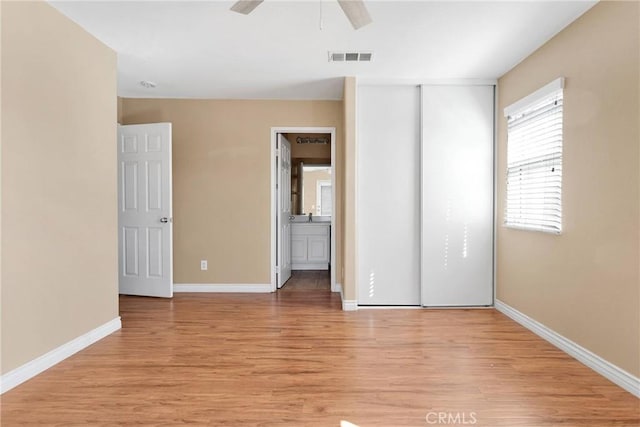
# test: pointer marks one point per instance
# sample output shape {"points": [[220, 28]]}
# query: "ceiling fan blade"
{"points": [[356, 12], [245, 6]]}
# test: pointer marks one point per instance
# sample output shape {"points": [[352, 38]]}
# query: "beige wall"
{"points": [[349, 200], [119, 110], [585, 283], [59, 215], [222, 179], [1, 371]]}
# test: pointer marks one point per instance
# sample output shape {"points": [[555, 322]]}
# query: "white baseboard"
{"points": [[608, 370], [349, 305], [30, 369], [235, 287], [337, 287]]}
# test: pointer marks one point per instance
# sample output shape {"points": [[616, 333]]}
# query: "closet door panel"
{"points": [[457, 195], [388, 197]]}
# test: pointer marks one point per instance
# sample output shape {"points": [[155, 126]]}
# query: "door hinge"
{"points": [[277, 151], [277, 269]]}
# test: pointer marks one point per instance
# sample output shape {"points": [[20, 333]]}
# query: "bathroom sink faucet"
{"points": [[310, 214]]}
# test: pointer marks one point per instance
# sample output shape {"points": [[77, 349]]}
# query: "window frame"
{"points": [[523, 106]]}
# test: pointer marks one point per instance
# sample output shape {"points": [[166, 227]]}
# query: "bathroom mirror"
{"points": [[311, 190], [316, 190]]}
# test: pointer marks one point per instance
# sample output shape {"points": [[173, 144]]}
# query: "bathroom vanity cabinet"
{"points": [[310, 246]]}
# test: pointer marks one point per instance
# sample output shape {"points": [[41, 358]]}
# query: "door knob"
{"points": [[164, 219]]}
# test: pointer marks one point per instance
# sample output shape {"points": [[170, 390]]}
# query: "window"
{"points": [[534, 160], [323, 195]]}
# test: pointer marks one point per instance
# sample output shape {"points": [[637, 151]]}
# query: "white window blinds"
{"points": [[534, 161]]}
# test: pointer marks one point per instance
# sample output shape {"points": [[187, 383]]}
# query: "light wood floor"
{"points": [[295, 359]]}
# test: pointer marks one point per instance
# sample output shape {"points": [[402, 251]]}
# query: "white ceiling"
{"points": [[202, 50]]}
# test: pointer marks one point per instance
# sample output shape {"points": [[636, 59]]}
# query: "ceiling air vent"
{"points": [[350, 56], [148, 84]]}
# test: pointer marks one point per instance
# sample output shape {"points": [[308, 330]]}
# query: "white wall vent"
{"points": [[350, 56]]}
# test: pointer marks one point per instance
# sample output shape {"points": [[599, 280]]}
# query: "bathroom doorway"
{"points": [[309, 228]]}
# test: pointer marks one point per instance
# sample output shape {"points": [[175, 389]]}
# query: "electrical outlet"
{"points": [[203, 264]]}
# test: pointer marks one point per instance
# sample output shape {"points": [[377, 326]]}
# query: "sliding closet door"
{"points": [[388, 199], [457, 195]]}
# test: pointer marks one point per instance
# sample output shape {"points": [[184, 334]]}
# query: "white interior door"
{"points": [[144, 210], [457, 195], [284, 210], [388, 217]]}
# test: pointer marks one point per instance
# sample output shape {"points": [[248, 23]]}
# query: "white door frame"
{"points": [[292, 129]]}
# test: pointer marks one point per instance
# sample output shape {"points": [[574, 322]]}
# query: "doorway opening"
{"points": [[303, 232]]}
